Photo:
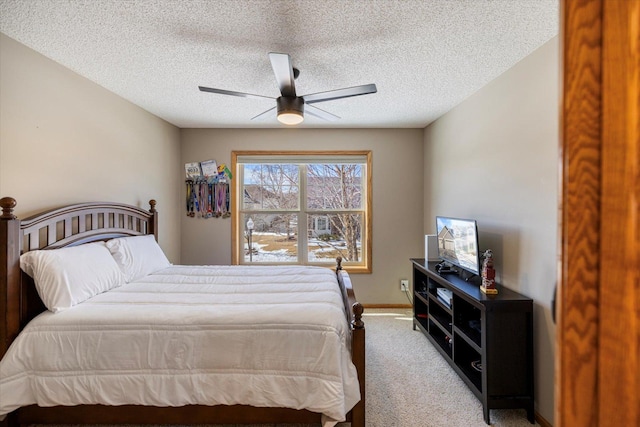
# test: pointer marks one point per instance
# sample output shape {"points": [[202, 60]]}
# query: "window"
{"points": [[302, 208]]}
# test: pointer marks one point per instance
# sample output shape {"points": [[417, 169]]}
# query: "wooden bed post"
{"points": [[358, 357], [9, 269], [153, 221]]}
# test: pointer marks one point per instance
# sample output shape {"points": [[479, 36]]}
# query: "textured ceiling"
{"points": [[425, 56]]}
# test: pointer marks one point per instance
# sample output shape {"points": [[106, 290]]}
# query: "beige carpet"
{"points": [[410, 385]]}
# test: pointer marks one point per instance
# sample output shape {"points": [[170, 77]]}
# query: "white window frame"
{"points": [[301, 157]]}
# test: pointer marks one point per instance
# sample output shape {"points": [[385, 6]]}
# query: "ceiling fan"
{"points": [[290, 107]]}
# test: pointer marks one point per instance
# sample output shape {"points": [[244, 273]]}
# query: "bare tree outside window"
{"points": [[335, 188]]}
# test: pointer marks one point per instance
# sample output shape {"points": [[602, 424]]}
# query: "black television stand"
{"points": [[487, 339]]}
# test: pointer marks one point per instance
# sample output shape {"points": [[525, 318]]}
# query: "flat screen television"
{"points": [[458, 243]]}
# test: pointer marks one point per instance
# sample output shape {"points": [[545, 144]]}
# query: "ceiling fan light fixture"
{"points": [[290, 118], [290, 110]]}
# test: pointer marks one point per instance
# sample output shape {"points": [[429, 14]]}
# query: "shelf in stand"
{"points": [[473, 335], [438, 301], [439, 336], [422, 322], [422, 295], [470, 340], [442, 316], [442, 324], [464, 357], [471, 376], [468, 319]]}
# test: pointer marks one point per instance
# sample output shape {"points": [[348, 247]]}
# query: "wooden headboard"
{"points": [[67, 226]]}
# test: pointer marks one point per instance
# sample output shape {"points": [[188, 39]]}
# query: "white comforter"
{"points": [[262, 336]]}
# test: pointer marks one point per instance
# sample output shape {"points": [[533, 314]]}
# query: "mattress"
{"points": [[272, 336]]}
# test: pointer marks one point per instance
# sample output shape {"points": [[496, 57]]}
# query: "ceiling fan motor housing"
{"points": [[290, 104]]}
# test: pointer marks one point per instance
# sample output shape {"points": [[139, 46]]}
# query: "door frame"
{"points": [[597, 379]]}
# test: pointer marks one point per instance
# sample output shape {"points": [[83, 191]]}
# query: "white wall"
{"points": [[397, 196], [494, 158], [64, 139]]}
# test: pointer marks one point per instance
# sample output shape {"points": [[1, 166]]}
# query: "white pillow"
{"points": [[67, 276], [138, 256]]}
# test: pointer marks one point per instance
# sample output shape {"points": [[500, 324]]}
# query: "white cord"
{"points": [[406, 292]]}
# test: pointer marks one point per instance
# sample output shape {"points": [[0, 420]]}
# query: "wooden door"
{"points": [[598, 336]]}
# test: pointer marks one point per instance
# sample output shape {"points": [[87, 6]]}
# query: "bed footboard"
{"points": [[354, 312]]}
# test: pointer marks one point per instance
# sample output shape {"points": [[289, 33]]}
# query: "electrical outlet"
{"points": [[404, 285]]}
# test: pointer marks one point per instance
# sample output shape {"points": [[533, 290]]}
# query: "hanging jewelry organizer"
{"points": [[207, 192]]}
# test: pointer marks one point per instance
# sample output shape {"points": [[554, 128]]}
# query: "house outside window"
{"points": [[320, 227], [305, 208]]}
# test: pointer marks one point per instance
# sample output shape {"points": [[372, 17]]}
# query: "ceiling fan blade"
{"points": [[265, 114], [315, 111], [339, 93], [232, 93], [282, 68]]}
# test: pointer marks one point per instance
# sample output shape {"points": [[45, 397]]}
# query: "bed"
{"points": [[305, 337]]}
